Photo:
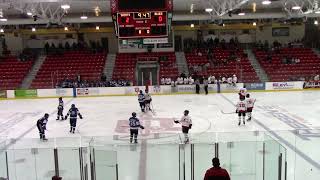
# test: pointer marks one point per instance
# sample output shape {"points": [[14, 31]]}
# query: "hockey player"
{"points": [[186, 124], [141, 100], [134, 124], [241, 110], [74, 113], [60, 109], [41, 125], [250, 103], [242, 92], [147, 100]]}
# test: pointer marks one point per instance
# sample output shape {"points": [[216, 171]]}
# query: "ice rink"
{"points": [[105, 117]]}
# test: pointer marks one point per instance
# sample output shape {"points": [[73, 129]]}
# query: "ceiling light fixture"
{"points": [[191, 8], [266, 2], [33, 29], [318, 11], [3, 19], [192, 25], [66, 28], [296, 7], [65, 6], [254, 7], [97, 27], [315, 22], [84, 17], [1, 31], [242, 14], [254, 23], [97, 11], [208, 10], [29, 13]]}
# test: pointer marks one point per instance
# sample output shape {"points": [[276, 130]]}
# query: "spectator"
{"points": [[56, 178], [224, 80], [229, 80], [191, 80], [197, 82], [163, 82], [216, 172], [205, 84], [183, 75], [234, 79], [317, 77]]}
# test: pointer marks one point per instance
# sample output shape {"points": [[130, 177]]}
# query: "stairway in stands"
{"points": [[26, 83], [109, 66], [182, 63], [256, 66]]}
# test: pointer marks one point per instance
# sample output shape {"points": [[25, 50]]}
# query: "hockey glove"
{"points": [[142, 127], [190, 126], [80, 116], [175, 121]]}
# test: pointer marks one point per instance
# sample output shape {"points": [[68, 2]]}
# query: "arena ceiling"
{"points": [[14, 12]]}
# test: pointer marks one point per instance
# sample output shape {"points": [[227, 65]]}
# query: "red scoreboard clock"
{"points": [[142, 24], [141, 18]]}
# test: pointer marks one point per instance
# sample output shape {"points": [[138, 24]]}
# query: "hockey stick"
{"points": [[227, 112], [152, 108]]}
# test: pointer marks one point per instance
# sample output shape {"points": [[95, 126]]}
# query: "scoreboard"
{"points": [[141, 18], [142, 24]]}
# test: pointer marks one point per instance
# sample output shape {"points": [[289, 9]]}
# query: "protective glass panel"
{"points": [[105, 164], [69, 163]]}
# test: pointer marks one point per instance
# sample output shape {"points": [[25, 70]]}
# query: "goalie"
{"points": [[186, 124]]}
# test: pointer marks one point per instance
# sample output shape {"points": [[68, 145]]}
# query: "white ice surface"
{"points": [[103, 114]]}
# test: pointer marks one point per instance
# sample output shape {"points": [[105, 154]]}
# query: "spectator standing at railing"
{"points": [[216, 172], [56, 178], [205, 85], [197, 82]]}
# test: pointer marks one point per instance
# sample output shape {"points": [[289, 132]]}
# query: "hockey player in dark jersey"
{"points": [[60, 109], [134, 124], [141, 100], [41, 125], [74, 113]]}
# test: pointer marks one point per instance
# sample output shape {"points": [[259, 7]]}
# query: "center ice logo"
{"points": [[154, 125]]}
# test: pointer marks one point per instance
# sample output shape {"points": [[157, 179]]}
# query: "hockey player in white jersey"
{"points": [[186, 124], [241, 110], [147, 100], [242, 92], [250, 104]]}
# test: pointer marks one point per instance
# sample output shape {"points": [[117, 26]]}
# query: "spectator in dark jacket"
{"points": [[56, 178], [216, 172]]}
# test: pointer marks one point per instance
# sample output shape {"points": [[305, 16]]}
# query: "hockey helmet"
{"points": [[60, 98], [186, 112], [248, 95], [73, 106], [46, 115], [141, 92], [146, 90], [134, 114]]}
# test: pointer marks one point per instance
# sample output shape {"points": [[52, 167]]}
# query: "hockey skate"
{"points": [[239, 123], [244, 122], [249, 119]]}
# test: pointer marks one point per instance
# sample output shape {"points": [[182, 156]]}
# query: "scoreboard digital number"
{"points": [[142, 24]]}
